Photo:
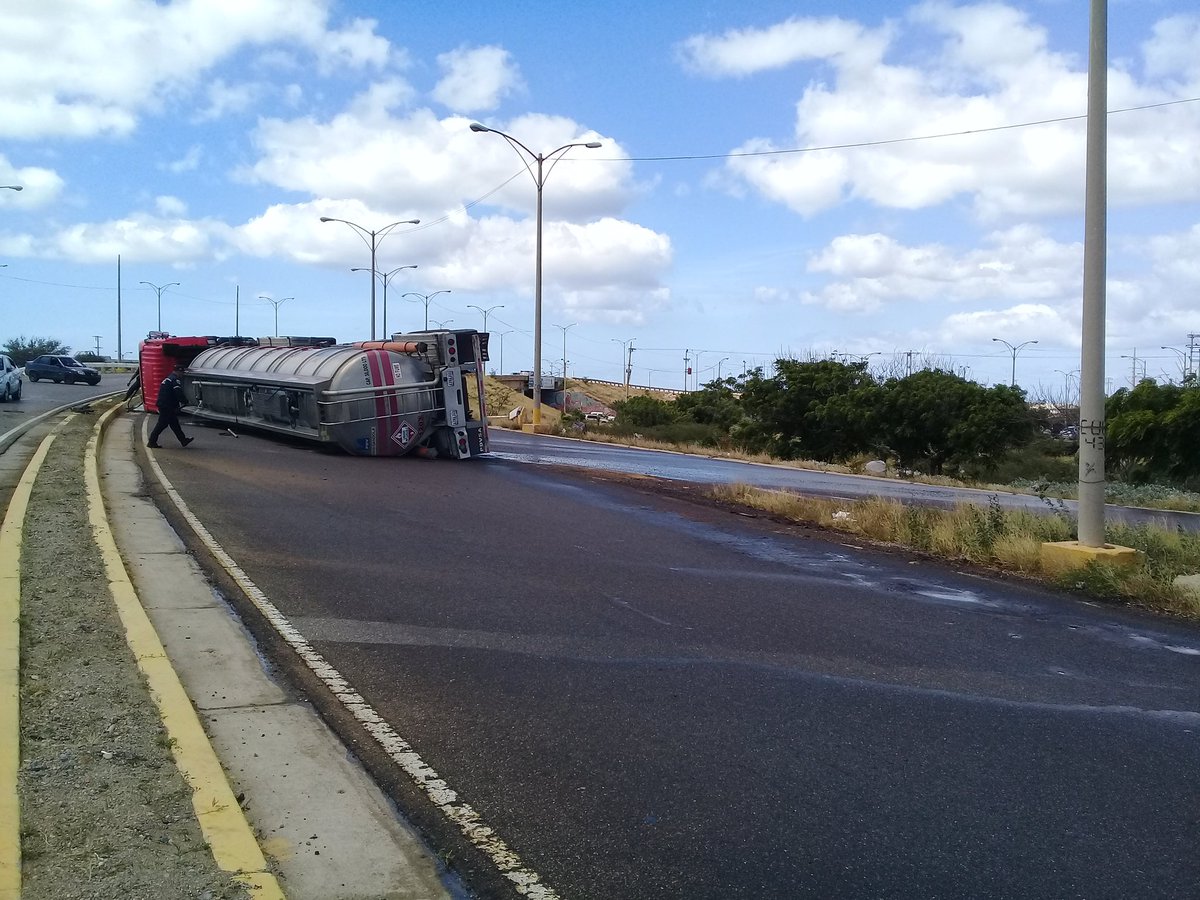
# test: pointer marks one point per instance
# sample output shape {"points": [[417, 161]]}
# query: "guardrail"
{"points": [[129, 366]]}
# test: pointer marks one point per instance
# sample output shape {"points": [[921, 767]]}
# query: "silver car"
{"points": [[10, 380]]}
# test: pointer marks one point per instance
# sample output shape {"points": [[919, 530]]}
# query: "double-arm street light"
{"points": [[426, 298], [1014, 350], [485, 312], [539, 180], [275, 303], [372, 239], [159, 290], [385, 277]]}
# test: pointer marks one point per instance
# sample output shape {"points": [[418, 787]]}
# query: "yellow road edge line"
{"points": [[12, 530], [230, 837]]}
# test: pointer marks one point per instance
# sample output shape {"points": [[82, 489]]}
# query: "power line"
{"points": [[881, 143]]}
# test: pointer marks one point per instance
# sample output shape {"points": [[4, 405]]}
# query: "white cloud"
{"points": [[80, 68], [608, 270], [139, 238], [39, 187], [1174, 50], [1015, 324], [874, 271], [170, 206], [186, 163], [224, 98], [420, 163], [993, 69], [745, 51], [476, 79]]}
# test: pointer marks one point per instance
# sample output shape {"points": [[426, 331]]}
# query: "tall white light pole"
{"points": [[485, 311], [539, 180], [1092, 422], [159, 290], [564, 331], [502, 334], [426, 298], [372, 239], [385, 277], [275, 303], [1014, 351]]}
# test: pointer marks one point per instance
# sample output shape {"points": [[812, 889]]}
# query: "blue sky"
{"points": [[723, 218]]}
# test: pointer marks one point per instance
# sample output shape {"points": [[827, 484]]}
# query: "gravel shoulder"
{"points": [[105, 813]]}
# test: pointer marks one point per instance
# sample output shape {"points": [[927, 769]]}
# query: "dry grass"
{"points": [[1006, 540]]}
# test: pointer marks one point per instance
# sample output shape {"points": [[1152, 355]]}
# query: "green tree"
{"points": [[1154, 432], [22, 350], [714, 404], [814, 409], [644, 412], [934, 418]]}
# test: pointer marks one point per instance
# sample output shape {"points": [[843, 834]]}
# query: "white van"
{"points": [[10, 380]]}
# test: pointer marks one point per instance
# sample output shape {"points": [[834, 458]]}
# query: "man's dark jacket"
{"points": [[170, 394]]}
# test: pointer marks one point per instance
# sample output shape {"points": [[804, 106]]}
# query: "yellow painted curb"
{"points": [[1062, 556], [11, 532], [229, 835]]}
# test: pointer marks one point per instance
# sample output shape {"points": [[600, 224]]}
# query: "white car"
{"points": [[10, 380]]}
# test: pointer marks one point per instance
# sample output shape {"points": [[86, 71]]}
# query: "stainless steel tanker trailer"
{"points": [[415, 393]]}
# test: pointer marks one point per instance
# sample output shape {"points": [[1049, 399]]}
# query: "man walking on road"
{"points": [[170, 400]]}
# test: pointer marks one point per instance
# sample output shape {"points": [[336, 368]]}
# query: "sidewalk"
{"points": [[324, 826]]}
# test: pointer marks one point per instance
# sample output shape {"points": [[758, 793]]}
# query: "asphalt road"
{"points": [[549, 450], [44, 396], [652, 699]]}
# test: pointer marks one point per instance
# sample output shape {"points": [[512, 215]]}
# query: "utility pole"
{"points": [[629, 369], [685, 368], [909, 355], [97, 337]]}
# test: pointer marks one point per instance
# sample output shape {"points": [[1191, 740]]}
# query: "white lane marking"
{"points": [[445, 798]]}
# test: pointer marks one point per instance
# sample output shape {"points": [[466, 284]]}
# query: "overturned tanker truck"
{"points": [[415, 393]]}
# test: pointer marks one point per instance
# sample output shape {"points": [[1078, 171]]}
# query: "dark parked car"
{"points": [[59, 369]]}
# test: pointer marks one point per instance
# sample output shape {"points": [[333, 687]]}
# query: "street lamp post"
{"points": [[1184, 361], [385, 277], [373, 243], [564, 331], [502, 334], [719, 363], [485, 312], [12, 187], [276, 304], [441, 325], [539, 180], [627, 361], [1014, 350], [426, 298], [159, 290]]}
